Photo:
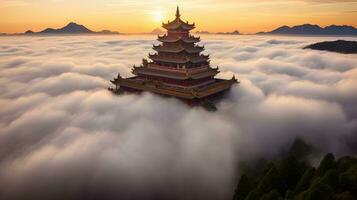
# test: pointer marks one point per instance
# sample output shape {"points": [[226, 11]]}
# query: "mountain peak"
{"points": [[29, 32], [72, 23], [70, 28], [312, 25]]}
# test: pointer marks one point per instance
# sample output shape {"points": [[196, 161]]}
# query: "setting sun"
{"points": [[158, 16]]}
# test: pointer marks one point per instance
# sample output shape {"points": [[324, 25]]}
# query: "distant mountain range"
{"points": [[309, 29], [229, 33], [339, 46], [203, 32], [219, 33], [71, 28], [305, 29]]}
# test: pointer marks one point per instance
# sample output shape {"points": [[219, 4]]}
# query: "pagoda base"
{"points": [[192, 96]]}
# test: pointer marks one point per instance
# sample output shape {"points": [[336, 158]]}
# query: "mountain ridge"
{"points": [[304, 29], [70, 28], [338, 46], [313, 29]]}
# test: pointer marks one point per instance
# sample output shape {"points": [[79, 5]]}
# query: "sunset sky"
{"points": [[130, 16]]}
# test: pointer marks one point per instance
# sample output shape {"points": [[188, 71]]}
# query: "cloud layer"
{"points": [[63, 136]]}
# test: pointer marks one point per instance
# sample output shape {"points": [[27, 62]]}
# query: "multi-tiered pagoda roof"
{"points": [[177, 69], [178, 24]]}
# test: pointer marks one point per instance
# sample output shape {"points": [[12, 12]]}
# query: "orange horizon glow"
{"points": [[130, 16]]}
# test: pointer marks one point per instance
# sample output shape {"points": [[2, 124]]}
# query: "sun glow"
{"points": [[158, 16]]}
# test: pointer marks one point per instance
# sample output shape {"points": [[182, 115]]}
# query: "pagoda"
{"points": [[177, 69]]}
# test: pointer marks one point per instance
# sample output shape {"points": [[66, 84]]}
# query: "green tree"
{"points": [[344, 163], [331, 178], [320, 191], [272, 195], [289, 194], [327, 163], [270, 181], [296, 180], [243, 188], [290, 173], [253, 195], [305, 181], [344, 196], [348, 180]]}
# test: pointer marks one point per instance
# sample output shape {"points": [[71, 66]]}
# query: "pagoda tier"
{"points": [[178, 49], [174, 39], [178, 74], [179, 59], [178, 69], [192, 94], [178, 24]]}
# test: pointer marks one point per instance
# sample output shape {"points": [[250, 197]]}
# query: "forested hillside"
{"points": [[292, 177]]}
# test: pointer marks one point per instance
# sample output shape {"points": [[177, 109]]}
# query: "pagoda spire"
{"points": [[178, 15]]}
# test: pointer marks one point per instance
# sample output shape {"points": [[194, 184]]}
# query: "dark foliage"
{"points": [[243, 188], [344, 196], [327, 163], [209, 106], [293, 178]]}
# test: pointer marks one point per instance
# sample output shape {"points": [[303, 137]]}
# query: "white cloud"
{"points": [[63, 135]]}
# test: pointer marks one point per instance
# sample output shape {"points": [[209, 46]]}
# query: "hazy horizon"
{"points": [[194, 32], [139, 17]]}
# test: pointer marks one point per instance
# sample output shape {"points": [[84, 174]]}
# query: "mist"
{"points": [[64, 136]]}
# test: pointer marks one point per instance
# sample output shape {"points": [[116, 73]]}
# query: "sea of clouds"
{"points": [[64, 136]]}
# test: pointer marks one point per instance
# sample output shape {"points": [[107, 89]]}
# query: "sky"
{"points": [[63, 135], [133, 16]]}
